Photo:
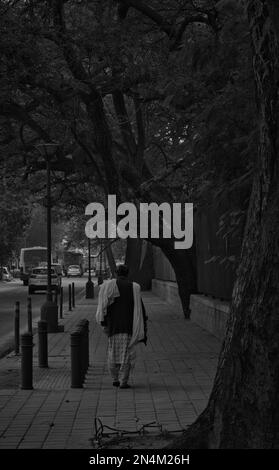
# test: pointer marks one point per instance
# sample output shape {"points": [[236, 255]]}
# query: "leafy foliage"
{"points": [[150, 100]]}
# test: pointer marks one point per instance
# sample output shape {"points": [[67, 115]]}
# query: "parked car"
{"points": [[6, 275], [38, 280], [74, 270], [58, 268], [92, 272]]}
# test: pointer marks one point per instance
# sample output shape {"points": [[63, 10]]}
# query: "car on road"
{"points": [[92, 272], [38, 280], [74, 270], [58, 268]]}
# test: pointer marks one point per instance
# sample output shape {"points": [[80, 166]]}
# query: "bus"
{"points": [[31, 258]]}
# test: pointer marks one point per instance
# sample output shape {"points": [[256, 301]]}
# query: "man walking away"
{"points": [[122, 314]]}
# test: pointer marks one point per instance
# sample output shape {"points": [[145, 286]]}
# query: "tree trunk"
{"points": [[243, 407], [140, 262], [183, 263]]}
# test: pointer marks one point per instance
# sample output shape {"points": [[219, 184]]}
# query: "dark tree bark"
{"points": [[147, 188], [140, 262], [183, 263], [110, 257], [243, 407]]}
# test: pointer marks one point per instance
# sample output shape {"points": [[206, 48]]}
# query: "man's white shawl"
{"points": [[107, 293]]}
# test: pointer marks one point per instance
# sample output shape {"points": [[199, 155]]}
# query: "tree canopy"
{"points": [[151, 101], [139, 95]]}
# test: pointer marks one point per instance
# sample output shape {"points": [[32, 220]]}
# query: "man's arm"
{"points": [[104, 324]]}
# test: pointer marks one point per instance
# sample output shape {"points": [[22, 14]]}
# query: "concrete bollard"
{"points": [[83, 325], [70, 297], [89, 290], [76, 364], [82, 347], [43, 344], [29, 314], [73, 295], [79, 353], [61, 303], [86, 346], [27, 361], [17, 326]]}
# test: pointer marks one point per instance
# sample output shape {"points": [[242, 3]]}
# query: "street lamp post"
{"points": [[89, 285], [49, 310], [48, 200]]}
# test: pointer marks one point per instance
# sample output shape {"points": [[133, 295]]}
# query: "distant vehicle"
{"points": [[6, 275], [38, 280], [16, 273], [58, 268], [104, 273], [31, 258], [74, 270], [72, 258]]}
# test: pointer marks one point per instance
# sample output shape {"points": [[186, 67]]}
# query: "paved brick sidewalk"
{"points": [[171, 384]]}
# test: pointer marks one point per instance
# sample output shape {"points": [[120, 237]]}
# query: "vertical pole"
{"points": [[49, 293], [89, 285], [83, 352], [29, 314], [27, 361], [55, 296], [17, 324], [86, 344], [89, 260], [43, 344], [76, 379], [61, 302], [73, 295], [70, 297]]}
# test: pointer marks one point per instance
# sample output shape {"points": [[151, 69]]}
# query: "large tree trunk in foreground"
{"points": [[243, 408]]}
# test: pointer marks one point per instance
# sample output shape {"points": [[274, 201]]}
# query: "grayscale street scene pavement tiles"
{"points": [[171, 384]]}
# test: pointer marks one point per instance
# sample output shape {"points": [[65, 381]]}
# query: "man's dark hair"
{"points": [[122, 270]]}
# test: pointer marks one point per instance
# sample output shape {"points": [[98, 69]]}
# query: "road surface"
{"points": [[12, 291]]}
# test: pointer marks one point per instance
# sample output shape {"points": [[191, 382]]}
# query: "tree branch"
{"points": [[92, 100], [89, 154], [173, 32], [18, 113], [124, 123], [149, 12], [141, 131], [74, 64]]}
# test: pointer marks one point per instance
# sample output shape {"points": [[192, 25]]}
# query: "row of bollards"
{"points": [[79, 353], [29, 313], [26, 339], [27, 354]]}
